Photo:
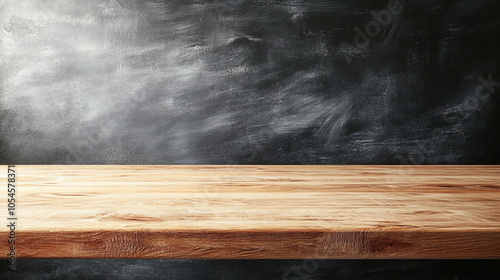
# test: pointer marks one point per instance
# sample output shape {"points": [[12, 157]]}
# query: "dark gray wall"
{"points": [[249, 82], [65, 269]]}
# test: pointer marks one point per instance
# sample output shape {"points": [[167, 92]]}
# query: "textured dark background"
{"points": [[64, 269], [248, 82]]}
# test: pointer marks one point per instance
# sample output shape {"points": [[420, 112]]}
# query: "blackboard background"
{"points": [[64, 269], [248, 82]]}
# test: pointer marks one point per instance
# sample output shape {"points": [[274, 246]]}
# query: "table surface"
{"points": [[256, 212]]}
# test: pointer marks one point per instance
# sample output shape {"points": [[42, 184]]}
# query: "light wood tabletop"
{"points": [[254, 212]]}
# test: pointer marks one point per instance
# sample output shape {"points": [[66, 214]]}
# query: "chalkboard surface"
{"points": [[63, 269], [249, 82]]}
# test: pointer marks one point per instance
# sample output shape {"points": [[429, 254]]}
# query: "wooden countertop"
{"points": [[255, 212]]}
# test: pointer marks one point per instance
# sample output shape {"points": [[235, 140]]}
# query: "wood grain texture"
{"points": [[256, 212]]}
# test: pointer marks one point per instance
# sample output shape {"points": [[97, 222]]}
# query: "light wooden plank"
{"points": [[118, 211]]}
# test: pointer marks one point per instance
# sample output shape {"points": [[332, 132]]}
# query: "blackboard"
{"points": [[249, 82]]}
